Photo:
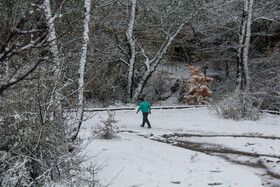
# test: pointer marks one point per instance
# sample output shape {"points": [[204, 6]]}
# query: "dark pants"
{"points": [[145, 119]]}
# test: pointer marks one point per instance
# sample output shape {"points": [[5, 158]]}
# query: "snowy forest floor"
{"points": [[186, 147]]}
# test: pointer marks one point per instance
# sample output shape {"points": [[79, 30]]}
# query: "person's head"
{"points": [[141, 99]]}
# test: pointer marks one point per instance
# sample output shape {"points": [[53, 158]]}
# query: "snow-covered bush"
{"points": [[239, 105], [17, 174], [199, 88], [32, 154], [35, 146], [106, 128]]}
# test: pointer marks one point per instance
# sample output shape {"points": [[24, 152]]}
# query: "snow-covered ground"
{"points": [[243, 154]]}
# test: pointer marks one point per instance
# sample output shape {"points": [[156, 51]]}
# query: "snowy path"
{"points": [[208, 151]]}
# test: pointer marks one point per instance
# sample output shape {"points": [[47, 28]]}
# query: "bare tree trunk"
{"points": [[80, 112], [152, 64], [132, 50], [244, 42], [54, 50]]}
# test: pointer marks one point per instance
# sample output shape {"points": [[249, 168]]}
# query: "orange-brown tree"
{"points": [[198, 87]]}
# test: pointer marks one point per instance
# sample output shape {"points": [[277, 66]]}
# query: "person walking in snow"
{"points": [[146, 110]]}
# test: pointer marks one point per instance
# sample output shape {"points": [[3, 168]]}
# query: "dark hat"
{"points": [[141, 99]]}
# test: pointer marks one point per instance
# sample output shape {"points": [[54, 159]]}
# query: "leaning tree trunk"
{"points": [[151, 65], [80, 112], [244, 43]]}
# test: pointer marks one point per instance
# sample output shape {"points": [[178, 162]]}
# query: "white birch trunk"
{"points": [[54, 51], [240, 49], [132, 50], [244, 42], [247, 44], [83, 59]]}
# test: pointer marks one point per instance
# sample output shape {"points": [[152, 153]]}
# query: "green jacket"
{"points": [[144, 107]]}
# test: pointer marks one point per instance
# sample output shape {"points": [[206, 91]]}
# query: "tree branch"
{"points": [[10, 84]]}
